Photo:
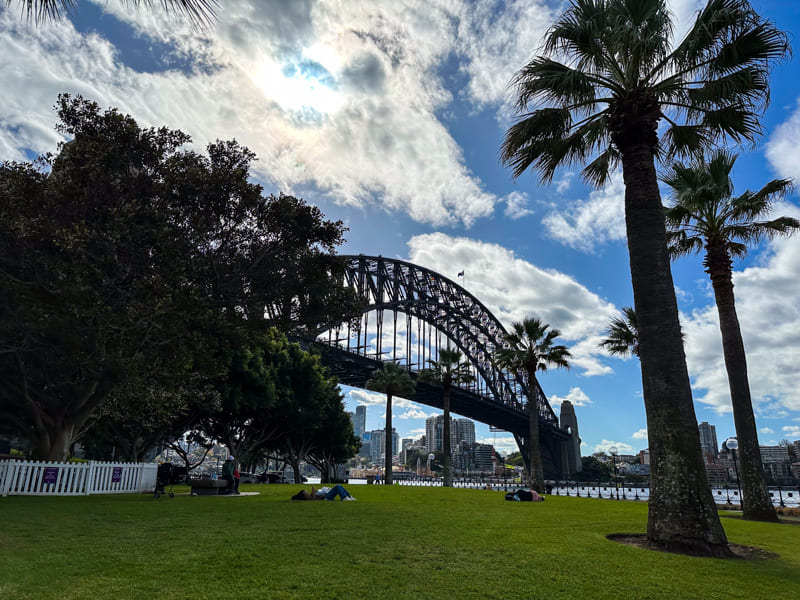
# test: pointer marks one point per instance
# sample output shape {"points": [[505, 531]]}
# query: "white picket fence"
{"points": [[37, 478]]}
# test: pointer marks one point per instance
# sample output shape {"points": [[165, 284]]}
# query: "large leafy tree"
{"points": [[530, 347], [125, 257], [613, 89], [447, 371], [707, 218], [391, 379]]}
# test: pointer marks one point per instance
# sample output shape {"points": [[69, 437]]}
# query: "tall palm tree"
{"points": [[448, 371], [530, 348], [612, 89], [707, 218], [199, 11], [392, 380], [622, 336]]}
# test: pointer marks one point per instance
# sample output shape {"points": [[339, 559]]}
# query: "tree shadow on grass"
{"points": [[640, 540]]}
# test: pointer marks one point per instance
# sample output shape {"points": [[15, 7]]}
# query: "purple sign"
{"points": [[50, 475], [116, 475]]}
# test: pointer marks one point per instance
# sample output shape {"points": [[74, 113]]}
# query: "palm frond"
{"points": [[549, 81], [622, 336], [685, 141], [598, 171], [753, 48], [200, 12], [680, 244], [580, 33], [738, 123]]}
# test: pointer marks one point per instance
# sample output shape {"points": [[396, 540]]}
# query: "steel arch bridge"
{"points": [[409, 312]]}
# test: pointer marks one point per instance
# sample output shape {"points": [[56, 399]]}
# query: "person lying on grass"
{"points": [[324, 494], [524, 496]]}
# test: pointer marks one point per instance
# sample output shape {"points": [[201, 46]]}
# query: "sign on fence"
{"points": [[50, 475]]}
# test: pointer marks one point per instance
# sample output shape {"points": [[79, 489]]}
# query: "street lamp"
{"points": [[613, 452], [732, 444]]}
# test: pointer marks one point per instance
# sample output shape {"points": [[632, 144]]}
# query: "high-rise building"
{"points": [[708, 439], [434, 433], [360, 421], [377, 444], [465, 431]]}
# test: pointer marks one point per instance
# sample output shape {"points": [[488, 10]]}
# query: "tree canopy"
{"points": [[125, 256]]}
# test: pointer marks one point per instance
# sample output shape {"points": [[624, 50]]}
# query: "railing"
{"points": [[36, 478], [782, 496]]}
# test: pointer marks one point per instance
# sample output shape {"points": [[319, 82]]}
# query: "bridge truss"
{"points": [[409, 313]]}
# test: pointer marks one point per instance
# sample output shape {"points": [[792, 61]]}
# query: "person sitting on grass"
{"points": [[324, 494]]}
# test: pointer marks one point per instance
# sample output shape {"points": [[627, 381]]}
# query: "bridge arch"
{"points": [[425, 310]]}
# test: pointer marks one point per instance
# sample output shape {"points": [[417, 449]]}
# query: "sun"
{"points": [[298, 86]]}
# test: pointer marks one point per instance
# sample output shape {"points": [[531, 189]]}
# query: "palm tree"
{"points": [[706, 217], [199, 11], [391, 379], [623, 334], [529, 348], [622, 77], [447, 371]]}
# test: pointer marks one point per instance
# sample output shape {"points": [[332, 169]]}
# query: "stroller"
{"points": [[166, 476]]}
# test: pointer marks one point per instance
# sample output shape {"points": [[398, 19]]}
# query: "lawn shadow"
{"points": [[640, 540]]}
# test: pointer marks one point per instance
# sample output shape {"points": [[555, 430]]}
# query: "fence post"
{"points": [[5, 484], [90, 478]]}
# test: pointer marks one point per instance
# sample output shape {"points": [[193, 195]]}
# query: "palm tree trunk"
{"points": [[446, 436], [681, 511], [536, 474], [756, 503], [387, 471]]}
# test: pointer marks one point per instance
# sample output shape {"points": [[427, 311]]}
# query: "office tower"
{"points": [[465, 431], [360, 421], [708, 439]]}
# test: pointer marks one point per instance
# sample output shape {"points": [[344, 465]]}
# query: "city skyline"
{"points": [[389, 116]]}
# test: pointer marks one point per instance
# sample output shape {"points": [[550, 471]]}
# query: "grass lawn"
{"points": [[394, 542]]}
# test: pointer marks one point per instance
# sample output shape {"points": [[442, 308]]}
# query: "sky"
{"points": [[389, 115]]}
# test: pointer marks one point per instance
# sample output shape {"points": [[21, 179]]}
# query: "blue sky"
{"points": [[389, 116]]}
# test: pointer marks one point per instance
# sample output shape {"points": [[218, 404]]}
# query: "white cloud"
{"points": [[414, 413], [576, 395], [586, 224], [791, 431], [517, 206], [622, 447], [781, 148], [504, 444], [370, 69], [766, 430], [512, 288], [768, 307], [640, 435], [366, 398]]}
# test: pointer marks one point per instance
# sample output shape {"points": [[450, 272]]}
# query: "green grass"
{"points": [[394, 542]]}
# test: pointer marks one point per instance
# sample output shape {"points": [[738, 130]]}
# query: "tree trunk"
{"points": [[387, 472], [446, 437], [54, 444], [682, 514], [536, 474], [756, 503]]}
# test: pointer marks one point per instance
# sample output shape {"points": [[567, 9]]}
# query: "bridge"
{"points": [[409, 313]]}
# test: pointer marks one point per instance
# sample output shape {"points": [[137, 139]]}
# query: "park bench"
{"points": [[208, 487]]}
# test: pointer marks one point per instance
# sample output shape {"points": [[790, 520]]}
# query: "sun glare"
{"points": [[296, 88]]}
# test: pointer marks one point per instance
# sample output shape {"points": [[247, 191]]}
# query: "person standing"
{"points": [[227, 474]]}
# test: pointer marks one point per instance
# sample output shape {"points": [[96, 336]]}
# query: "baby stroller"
{"points": [[165, 476]]}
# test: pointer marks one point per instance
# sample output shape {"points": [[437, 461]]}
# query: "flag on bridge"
{"points": [[461, 274]]}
